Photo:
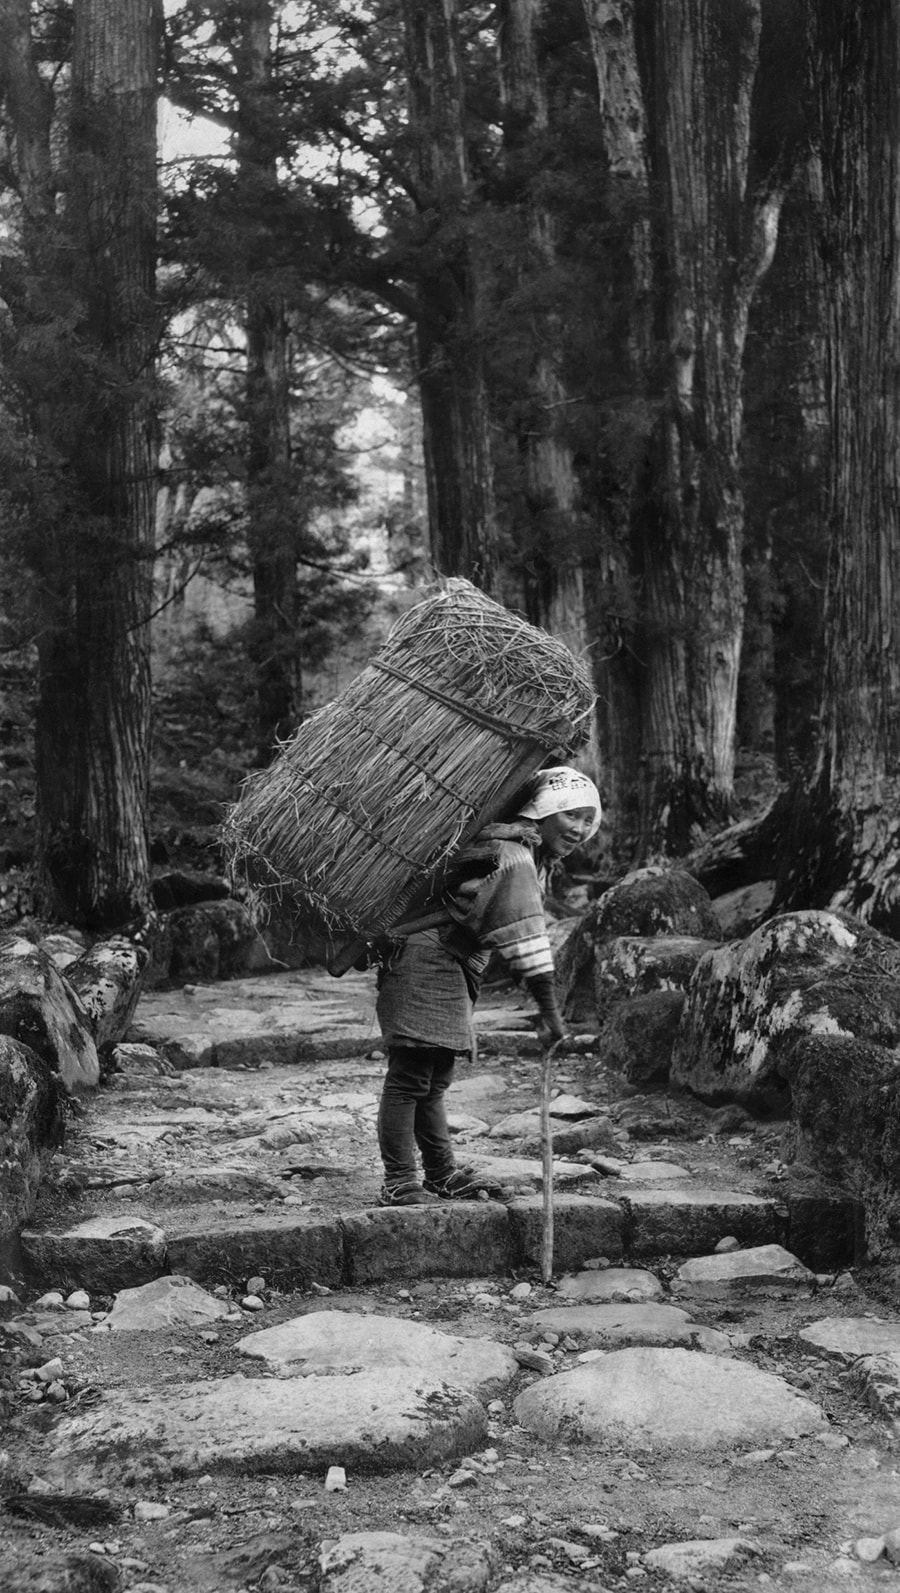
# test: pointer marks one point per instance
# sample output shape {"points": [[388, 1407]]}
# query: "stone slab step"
{"points": [[296, 1249]]}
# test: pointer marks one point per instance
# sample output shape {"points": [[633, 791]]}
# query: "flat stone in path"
{"points": [[872, 1346], [762, 1269], [651, 1172], [617, 1284], [695, 1557], [382, 1562], [598, 1326], [545, 1582], [344, 1341], [522, 1171], [373, 1421], [848, 1338], [668, 1399], [165, 1303]]}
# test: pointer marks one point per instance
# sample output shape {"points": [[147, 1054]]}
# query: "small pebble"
{"points": [[869, 1549], [50, 1302], [335, 1479], [536, 1360], [255, 1285], [50, 1371], [520, 1291], [150, 1510], [727, 1245], [79, 1300], [252, 1302]]}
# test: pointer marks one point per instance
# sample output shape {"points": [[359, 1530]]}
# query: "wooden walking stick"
{"points": [[547, 1161]]}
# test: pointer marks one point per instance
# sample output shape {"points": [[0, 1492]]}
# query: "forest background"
{"points": [[621, 279]]}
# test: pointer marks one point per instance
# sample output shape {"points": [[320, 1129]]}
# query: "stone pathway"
{"points": [[267, 1380]]}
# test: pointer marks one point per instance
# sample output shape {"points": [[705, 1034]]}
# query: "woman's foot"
{"points": [[463, 1183], [407, 1194]]}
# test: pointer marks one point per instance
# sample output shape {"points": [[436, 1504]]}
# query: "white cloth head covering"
{"points": [[559, 790]]}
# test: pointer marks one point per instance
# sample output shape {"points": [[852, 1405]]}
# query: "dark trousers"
{"points": [[412, 1113]]}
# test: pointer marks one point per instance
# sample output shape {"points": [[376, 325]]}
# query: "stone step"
{"points": [[296, 1250]]}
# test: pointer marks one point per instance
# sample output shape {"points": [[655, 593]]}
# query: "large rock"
{"points": [[762, 1269], [324, 1343], [372, 1421], [38, 1009], [382, 1562], [638, 1037], [212, 940], [807, 973], [107, 981], [31, 1125], [648, 903], [164, 1305], [636, 965], [667, 1400], [845, 1125]]}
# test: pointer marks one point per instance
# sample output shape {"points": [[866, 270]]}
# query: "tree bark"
{"points": [[458, 466], [553, 577], [612, 566], [713, 240], [272, 515], [846, 838], [93, 717]]}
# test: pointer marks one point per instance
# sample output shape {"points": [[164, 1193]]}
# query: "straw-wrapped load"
{"points": [[350, 826]]}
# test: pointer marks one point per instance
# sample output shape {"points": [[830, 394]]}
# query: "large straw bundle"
{"points": [[351, 824]]}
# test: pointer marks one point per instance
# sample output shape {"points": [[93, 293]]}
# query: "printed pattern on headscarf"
{"points": [[560, 790]]}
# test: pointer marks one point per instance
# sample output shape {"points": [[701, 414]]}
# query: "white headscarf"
{"points": [[559, 790]]}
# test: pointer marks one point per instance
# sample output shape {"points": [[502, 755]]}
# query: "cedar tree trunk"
{"points": [[713, 241], [553, 582], [458, 468], [272, 511], [845, 845], [93, 719]]}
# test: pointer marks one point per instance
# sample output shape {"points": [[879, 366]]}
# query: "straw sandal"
{"points": [[464, 1184], [408, 1194]]}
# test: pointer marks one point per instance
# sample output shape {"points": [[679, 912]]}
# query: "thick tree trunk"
{"points": [[713, 242], [847, 835], [611, 564], [458, 468], [93, 716], [551, 543], [271, 513]]}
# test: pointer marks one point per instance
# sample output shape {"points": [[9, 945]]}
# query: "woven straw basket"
{"points": [[349, 828]]}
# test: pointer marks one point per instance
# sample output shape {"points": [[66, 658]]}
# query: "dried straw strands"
{"points": [[374, 793]]}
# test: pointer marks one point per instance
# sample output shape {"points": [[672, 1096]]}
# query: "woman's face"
{"points": [[562, 832]]}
